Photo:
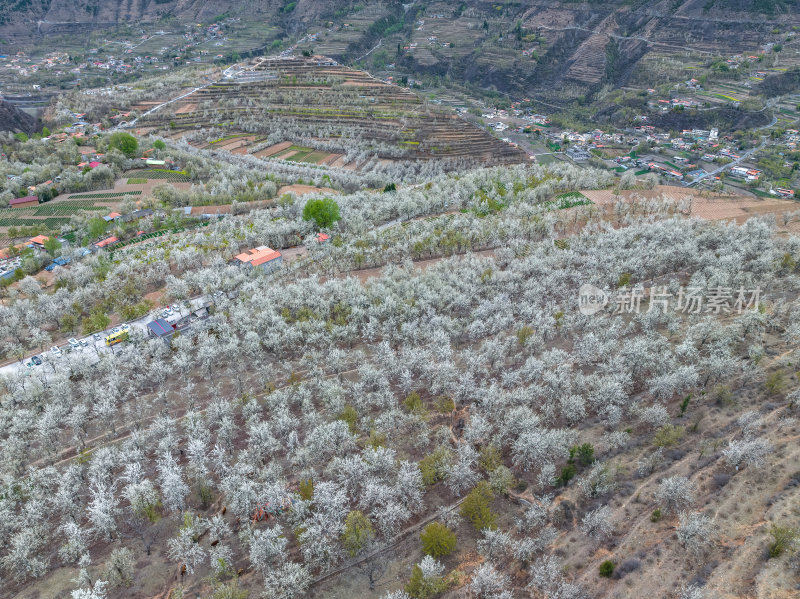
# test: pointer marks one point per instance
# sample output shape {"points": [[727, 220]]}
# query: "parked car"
{"points": [[97, 336], [166, 313], [115, 330], [55, 351], [73, 342], [175, 308], [84, 343], [29, 364], [36, 360]]}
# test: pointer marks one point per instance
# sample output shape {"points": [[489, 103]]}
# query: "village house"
{"points": [[265, 258], [26, 202]]}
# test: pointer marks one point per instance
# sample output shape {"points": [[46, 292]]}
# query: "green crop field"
{"points": [[105, 196], [313, 157], [569, 200], [67, 208], [50, 223], [300, 153], [159, 173], [137, 181]]}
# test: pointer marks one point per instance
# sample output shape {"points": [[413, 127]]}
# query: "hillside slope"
{"points": [[13, 119], [549, 48], [24, 21]]}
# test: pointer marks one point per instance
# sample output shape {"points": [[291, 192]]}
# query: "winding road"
{"points": [[716, 171]]}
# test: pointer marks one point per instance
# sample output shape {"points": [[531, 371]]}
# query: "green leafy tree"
{"points": [[423, 587], [477, 507], [434, 466], [305, 488], [323, 212], [358, 531], [96, 321], [124, 142], [586, 454], [438, 540], [96, 227], [607, 569], [350, 416], [52, 245], [783, 538], [159, 145]]}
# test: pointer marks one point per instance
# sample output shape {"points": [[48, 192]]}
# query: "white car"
{"points": [[125, 327], [55, 351], [73, 343], [84, 343]]}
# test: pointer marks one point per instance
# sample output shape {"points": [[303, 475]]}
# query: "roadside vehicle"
{"points": [[73, 343], [36, 360], [55, 351], [84, 343], [97, 336], [117, 337]]}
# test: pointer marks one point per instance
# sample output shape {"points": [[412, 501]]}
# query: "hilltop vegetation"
{"points": [[304, 332], [389, 415]]}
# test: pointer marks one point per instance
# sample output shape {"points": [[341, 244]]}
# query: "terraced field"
{"points": [[51, 216], [143, 176], [104, 196], [50, 223], [67, 208], [324, 109]]}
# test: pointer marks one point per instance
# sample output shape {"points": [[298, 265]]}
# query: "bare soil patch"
{"points": [[272, 150], [304, 189]]}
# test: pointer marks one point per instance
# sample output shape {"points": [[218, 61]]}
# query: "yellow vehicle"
{"points": [[117, 337]]}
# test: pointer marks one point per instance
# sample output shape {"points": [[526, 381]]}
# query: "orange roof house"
{"points": [[260, 256], [106, 242], [38, 240]]}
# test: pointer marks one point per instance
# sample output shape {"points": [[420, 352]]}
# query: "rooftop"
{"points": [[258, 256], [39, 239], [107, 241], [15, 201]]}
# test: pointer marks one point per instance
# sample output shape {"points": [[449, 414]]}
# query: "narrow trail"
{"points": [[394, 542], [378, 45], [624, 37]]}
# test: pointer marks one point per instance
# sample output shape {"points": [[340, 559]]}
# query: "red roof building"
{"points": [[106, 242], [261, 255], [25, 202], [38, 240]]}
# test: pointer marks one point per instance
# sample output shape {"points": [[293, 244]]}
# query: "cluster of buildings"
{"points": [[681, 103], [172, 322], [9, 263], [22, 65], [748, 174]]}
